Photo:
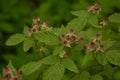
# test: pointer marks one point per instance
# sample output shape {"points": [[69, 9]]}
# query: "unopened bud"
{"points": [[37, 22], [72, 35], [100, 48], [92, 45], [65, 41], [103, 23], [97, 37]]}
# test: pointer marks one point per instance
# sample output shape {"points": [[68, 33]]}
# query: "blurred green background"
{"points": [[15, 14]]}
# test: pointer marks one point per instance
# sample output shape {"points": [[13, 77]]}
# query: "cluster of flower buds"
{"points": [[64, 54], [70, 38], [38, 25], [8, 74], [96, 8], [95, 45]]}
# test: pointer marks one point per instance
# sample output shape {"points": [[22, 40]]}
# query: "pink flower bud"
{"points": [[96, 8], [97, 37], [100, 48], [31, 31], [37, 22], [90, 8], [103, 22], [65, 41], [92, 45], [71, 35]]}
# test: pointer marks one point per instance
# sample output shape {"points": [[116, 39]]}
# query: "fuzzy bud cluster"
{"points": [[70, 38], [38, 25], [8, 74], [96, 8], [95, 45]]}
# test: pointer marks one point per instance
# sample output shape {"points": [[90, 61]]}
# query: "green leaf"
{"points": [[27, 44], [115, 18], [10, 65], [101, 58], [33, 76], [108, 44], [70, 65], [113, 57], [87, 60], [60, 31], [58, 50], [55, 72], [96, 77], [30, 67], [93, 21], [15, 39], [50, 59], [77, 24], [83, 76], [25, 30], [81, 13], [89, 33], [48, 38], [108, 70]]}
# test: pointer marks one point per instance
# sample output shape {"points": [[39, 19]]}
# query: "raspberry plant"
{"points": [[84, 49]]}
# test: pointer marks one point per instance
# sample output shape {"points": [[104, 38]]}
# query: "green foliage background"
{"points": [[15, 14]]}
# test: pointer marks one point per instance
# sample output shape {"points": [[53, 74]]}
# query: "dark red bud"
{"points": [[97, 37], [101, 46], [92, 45]]}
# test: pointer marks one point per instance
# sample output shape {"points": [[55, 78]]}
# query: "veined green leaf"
{"points": [[60, 31], [50, 59], [96, 77], [89, 34], [83, 76], [87, 59], [27, 44], [77, 24], [25, 30], [101, 58], [55, 72], [81, 13], [58, 50], [113, 57], [30, 67], [93, 21], [70, 65], [115, 18], [48, 38], [108, 70], [108, 44], [15, 39]]}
